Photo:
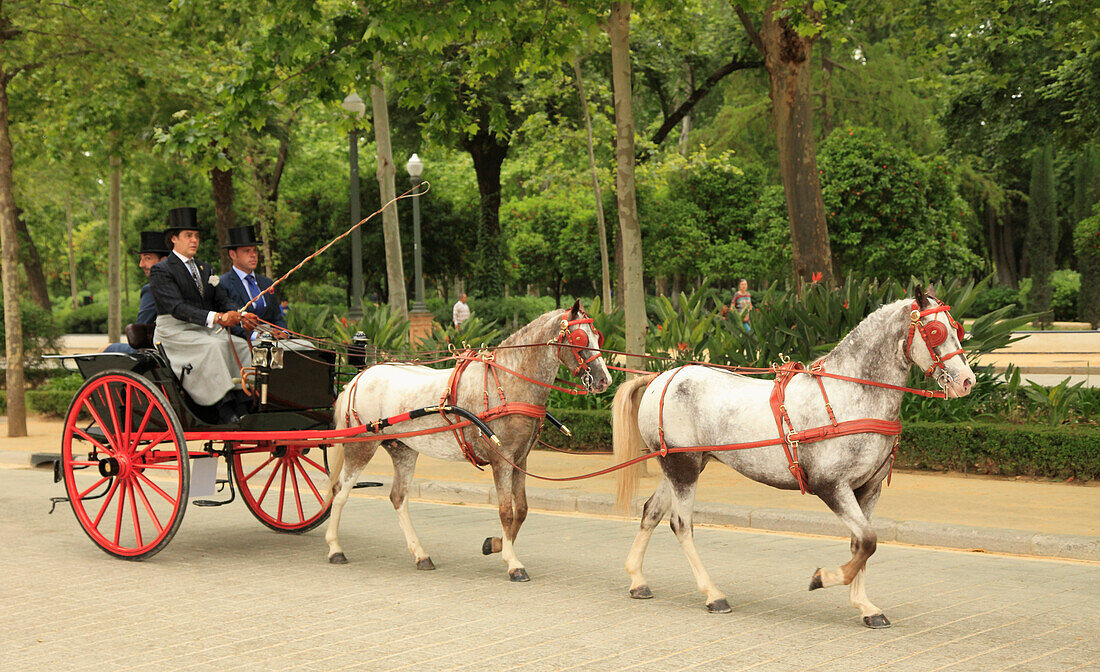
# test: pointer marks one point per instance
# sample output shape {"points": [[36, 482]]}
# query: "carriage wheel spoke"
{"points": [[87, 437], [148, 507], [257, 469], [103, 425], [173, 467], [268, 484], [319, 467], [156, 488], [144, 421], [129, 421], [134, 515], [309, 482], [282, 490], [121, 510], [291, 463], [113, 413], [106, 503], [97, 484], [153, 443]]}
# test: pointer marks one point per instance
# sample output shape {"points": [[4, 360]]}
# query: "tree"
{"points": [[1086, 241], [786, 38], [605, 273], [395, 273], [1042, 231]]}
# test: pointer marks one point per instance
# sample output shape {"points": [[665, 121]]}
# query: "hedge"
{"points": [[52, 403], [978, 448]]}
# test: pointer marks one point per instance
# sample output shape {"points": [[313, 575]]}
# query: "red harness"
{"points": [[933, 333], [577, 340]]}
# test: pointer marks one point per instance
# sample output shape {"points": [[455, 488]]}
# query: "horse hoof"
{"points": [[876, 621], [719, 606], [338, 559], [491, 545], [641, 593], [815, 582], [519, 575], [425, 564]]}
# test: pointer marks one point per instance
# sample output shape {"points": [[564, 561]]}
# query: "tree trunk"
{"points": [[395, 271], [618, 28], [9, 242], [1042, 232], [787, 60], [826, 82], [72, 254], [605, 271], [221, 181], [488, 151], [114, 253], [32, 265]]}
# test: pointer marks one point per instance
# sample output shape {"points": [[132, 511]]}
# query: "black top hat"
{"points": [[242, 236], [152, 242], [182, 219]]}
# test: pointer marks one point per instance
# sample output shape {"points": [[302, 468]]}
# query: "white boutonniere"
{"points": [[214, 280]]}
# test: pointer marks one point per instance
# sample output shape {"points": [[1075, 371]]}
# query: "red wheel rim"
{"points": [[123, 471], [283, 486]]}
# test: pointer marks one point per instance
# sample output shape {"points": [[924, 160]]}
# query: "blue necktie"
{"points": [[254, 290]]}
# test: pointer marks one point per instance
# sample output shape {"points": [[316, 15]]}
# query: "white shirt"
{"points": [[187, 263], [461, 313]]}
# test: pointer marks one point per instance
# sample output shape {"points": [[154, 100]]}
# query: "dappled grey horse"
{"points": [[709, 407], [556, 338]]}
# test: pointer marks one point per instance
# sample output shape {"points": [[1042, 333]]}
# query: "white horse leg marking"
{"points": [[404, 466], [502, 476], [683, 509], [853, 512], [857, 594], [654, 511], [348, 478]]}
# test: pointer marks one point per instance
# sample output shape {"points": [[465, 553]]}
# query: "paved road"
{"points": [[228, 594]]}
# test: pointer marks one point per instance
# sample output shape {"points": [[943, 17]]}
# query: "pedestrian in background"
{"points": [[742, 304], [461, 311]]}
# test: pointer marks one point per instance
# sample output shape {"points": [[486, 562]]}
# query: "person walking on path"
{"points": [[461, 311], [742, 304]]}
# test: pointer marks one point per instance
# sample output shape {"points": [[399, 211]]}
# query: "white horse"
{"points": [[709, 407], [558, 337]]}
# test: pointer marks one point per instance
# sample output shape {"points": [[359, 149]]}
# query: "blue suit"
{"points": [[147, 314], [238, 296]]}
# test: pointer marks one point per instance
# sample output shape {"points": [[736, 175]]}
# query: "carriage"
{"points": [[135, 447]]}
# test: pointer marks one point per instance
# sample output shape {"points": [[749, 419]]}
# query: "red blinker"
{"points": [[578, 338], [935, 333]]}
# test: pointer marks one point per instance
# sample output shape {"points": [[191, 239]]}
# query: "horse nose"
{"points": [[968, 383]]}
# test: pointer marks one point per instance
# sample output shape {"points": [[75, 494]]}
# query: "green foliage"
{"points": [[1058, 402], [385, 329], [92, 319], [1086, 244], [891, 215], [308, 319], [1065, 287], [41, 333], [1042, 231], [474, 333], [983, 448], [317, 293]]}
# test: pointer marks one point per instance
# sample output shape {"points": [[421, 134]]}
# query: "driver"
{"points": [[190, 312]]}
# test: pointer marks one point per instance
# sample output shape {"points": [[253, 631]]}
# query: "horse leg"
{"points": [[683, 510], [654, 511], [356, 456], [854, 510], [404, 466], [504, 478]]}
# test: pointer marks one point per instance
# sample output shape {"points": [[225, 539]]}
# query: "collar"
{"points": [[242, 275], [183, 258]]}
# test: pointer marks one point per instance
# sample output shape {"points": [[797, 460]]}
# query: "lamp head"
{"points": [[354, 104], [415, 166]]}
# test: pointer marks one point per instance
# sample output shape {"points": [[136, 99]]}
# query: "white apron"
{"points": [[214, 368]]}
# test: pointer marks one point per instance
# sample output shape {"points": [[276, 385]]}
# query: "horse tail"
{"points": [[627, 438], [336, 451]]}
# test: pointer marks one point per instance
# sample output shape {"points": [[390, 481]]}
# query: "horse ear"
{"points": [[575, 310], [918, 294], [930, 291]]}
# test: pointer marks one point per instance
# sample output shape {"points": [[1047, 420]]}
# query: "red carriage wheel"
{"points": [[283, 486], [124, 461]]}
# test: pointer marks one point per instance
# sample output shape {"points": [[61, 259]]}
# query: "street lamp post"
{"points": [[415, 167], [354, 104]]}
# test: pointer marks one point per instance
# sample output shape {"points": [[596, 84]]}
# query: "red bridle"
{"points": [[578, 340], [933, 333]]}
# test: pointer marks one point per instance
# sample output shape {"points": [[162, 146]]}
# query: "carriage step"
{"points": [[367, 484], [210, 502]]}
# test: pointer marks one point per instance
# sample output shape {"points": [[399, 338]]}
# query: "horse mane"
{"points": [[532, 332], [870, 350]]}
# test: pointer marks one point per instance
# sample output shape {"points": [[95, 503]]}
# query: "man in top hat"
{"points": [[190, 314], [243, 284], [152, 250]]}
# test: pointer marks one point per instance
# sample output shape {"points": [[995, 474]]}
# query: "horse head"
{"points": [[934, 343], [581, 349]]}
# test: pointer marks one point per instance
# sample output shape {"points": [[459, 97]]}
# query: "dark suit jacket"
{"points": [[238, 296], [176, 294], [147, 306]]}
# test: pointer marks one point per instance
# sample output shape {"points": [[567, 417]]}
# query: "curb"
{"points": [[917, 533]]}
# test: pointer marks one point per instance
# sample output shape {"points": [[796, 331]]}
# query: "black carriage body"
{"points": [[300, 395]]}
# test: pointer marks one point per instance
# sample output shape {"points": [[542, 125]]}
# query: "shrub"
{"points": [[981, 448], [997, 296], [1065, 286], [317, 293], [53, 403], [40, 331], [1086, 243], [92, 319]]}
